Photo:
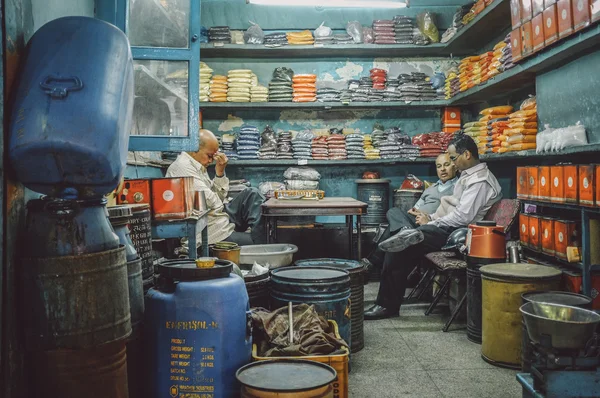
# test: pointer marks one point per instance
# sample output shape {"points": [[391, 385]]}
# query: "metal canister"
{"points": [[357, 295], [405, 199], [140, 229], [258, 290], [502, 286], [328, 289], [563, 298], [376, 194]]}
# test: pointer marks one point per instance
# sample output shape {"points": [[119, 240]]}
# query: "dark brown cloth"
{"points": [[312, 333]]}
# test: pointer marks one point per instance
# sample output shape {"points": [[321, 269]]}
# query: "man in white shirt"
{"points": [[227, 221], [474, 193]]}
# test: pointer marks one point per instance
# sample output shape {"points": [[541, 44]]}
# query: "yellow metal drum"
{"points": [[502, 286]]}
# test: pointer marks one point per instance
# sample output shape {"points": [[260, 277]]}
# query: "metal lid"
{"points": [[185, 269], [520, 271], [373, 181], [564, 298], [309, 274], [135, 208], [119, 211], [340, 263], [485, 223], [293, 375]]}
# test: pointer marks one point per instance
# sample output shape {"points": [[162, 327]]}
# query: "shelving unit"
{"points": [[494, 19], [585, 213], [294, 162], [323, 105]]}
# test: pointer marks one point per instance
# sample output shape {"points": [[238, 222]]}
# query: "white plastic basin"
{"points": [[276, 254]]}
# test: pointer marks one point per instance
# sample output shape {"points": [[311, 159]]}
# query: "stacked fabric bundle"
{"points": [[465, 75], [239, 82], [485, 61], [259, 94], [371, 152], [301, 145], [300, 38], [325, 39], [327, 94], [389, 150], [430, 145], [355, 146], [227, 144], [336, 145], [280, 87], [403, 28], [319, 148], [268, 141], [218, 88], [384, 31], [284, 145], [301, 178], [375, 95], [379, 78], [220, 34], [417, 87], [346, 96], [452, 85], [276, 39], [248, 143], [506, 60], [482, 130], [378, 137], [205, 76], [343, 38], [522, 128], [495, 66], [409, 151], [360, 89], [304, 88]]}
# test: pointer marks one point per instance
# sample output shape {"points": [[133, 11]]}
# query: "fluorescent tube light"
{"points": [[331, 3]]}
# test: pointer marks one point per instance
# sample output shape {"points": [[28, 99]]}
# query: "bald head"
{"points": [[445, 167], [209, 146]]}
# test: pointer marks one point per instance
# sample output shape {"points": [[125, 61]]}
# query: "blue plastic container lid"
{"points": [[310, 274], [185, 269]]}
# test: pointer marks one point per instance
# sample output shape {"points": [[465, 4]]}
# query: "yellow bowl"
{"points": [[205, 262]]}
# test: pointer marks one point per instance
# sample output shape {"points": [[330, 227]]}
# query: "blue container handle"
{"points": [[50, 86]]}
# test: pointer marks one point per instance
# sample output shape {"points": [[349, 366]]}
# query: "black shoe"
{"points": [[379, 312]]}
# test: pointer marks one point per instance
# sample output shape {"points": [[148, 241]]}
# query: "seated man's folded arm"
{"points": [[472, 200]]}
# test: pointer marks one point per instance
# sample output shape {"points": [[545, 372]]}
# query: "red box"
{"points": [[134, 192], [526, 10], [447, 129], [595, 10], [565, 18], [565, 235], [451, 116], [545, 183], [571, 184], [581, 14], [587, 184], [173, 198], [537, 6], [537, 24], [516, 47], [524, 229], [515, 13], [533, 186], [550, 25], [574, 283], [547, 232], [557, 189], [527, 39], [535, 237]]}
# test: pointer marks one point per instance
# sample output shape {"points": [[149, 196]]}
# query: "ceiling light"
{"points": [[332, 3]]}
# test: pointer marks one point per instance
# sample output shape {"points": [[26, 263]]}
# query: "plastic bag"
{"points": [[520, 138], [301, 184], [237, 37], [572, 136], [497, 110], [368, 35], [305, 135], [354, 29], [426, 24], [542, 138], [412, 183], [529, 104], [268, 138], [322, 31], [302, 173], [283, 73], [268, 188], [254, 34]]}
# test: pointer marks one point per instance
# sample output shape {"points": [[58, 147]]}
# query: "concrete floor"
{"points": [[410, 356]]}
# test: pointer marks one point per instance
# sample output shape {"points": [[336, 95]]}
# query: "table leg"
{"points": [[350, 232], [274, 225], [192, 243], [205, 242], [358, 232]]}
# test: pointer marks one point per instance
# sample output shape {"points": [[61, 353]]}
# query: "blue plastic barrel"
{"points": [[72, 114], [197, 331], [328, 289]]}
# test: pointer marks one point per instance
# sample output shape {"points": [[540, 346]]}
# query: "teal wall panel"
{"points": [[569, 94]]}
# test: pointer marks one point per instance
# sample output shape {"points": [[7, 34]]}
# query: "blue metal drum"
{"points": [[72, 114], [197, 331], [328, 289]]}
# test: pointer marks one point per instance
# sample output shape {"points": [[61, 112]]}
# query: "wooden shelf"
{"points": [[531, 154], [324, 105], [493, 20], [347, 162]]}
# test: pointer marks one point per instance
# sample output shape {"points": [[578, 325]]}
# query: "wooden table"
{"points": [[349, 207], [188, 228]]}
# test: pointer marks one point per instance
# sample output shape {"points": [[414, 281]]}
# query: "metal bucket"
{"points": [[474, 297], [502, 286], [286, 379], [140, 230], [229, 254], [98, 372], [406, 200], [328, 289], [76, 301], [357, 295], [376, 194], [564, 298], [258, 290]]}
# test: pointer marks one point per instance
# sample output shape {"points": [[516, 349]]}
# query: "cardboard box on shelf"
{"points": [[550, 25], [566, 233], [545, 182], [574, 283], [537, 7], [522, 183], [581, 14], [535, 241], [533, 188], [515, 13], [527, 39], [565, 18], [524, 229], [595, 10], [526, 10], [538, 32], [557, 189], [451, 115], [571, 183], [587, 184], [516, 46], [547, 232]]}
